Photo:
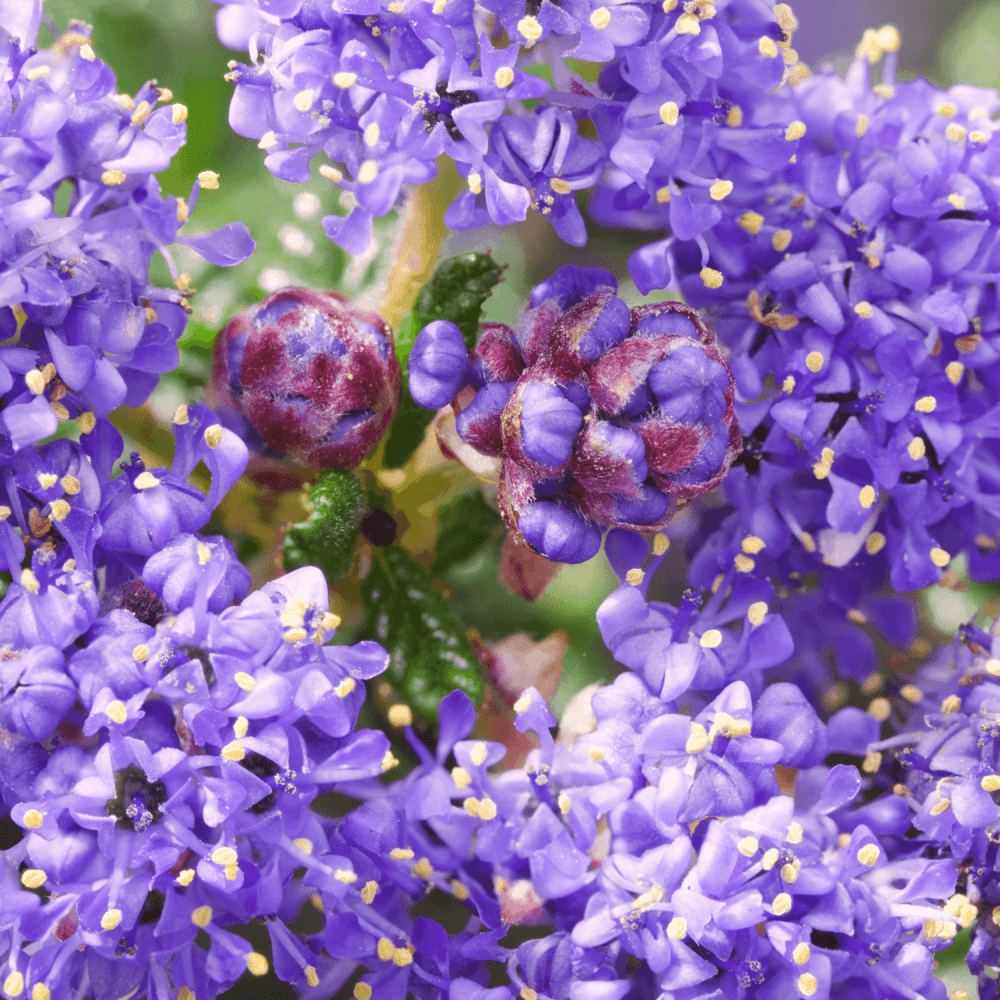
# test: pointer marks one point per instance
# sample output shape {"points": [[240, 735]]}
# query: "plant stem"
{"points": [[420, 242]]}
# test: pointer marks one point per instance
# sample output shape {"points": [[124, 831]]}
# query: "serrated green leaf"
{"points": [[467, 524], [430, 655], [327, 537]]}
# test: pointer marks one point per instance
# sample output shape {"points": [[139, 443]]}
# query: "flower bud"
{"points": [[438, 365], [314, 376]]}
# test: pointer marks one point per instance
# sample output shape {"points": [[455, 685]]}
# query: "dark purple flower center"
{"points": [[440, 108], [137, 802]]}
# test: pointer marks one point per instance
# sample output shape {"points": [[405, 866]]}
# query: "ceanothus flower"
{"points": [[174, 797], [601, 415], [85, 328]]}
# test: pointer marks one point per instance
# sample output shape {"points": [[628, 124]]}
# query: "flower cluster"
{"points": [[601, 415], [83, 328], [307, 375], [383, 89], [852, 288]]}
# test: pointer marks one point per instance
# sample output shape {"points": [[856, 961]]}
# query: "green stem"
{"points": [[420, 242]]}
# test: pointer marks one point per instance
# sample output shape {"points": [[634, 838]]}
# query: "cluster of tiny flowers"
{"points": [[83, 328], [601, 415], [852, 287], [383, 89], [937, 777]]}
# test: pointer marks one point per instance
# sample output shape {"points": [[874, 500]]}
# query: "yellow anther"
{"points": [[294, 634], [697, 740], [400, 716], [181, 415], [940, 558], [488, 809], [795, 131], [331, 173], [677, 928], [663, 195], [224, 855], [711, 277], [35, 381], [872, 762], [951, 704], [688, 24], [711, 639], [781, 240], [116, 711], [348, 878], [766, 47], [202, 916], [303, 100], [957, 201], [660, 544], [213, 435], [748, 846], [874, 543], [257, 964], [523, 703], [757, 612], [787, 21], [991, 783], [789, 873], [879, 708], [564, 803], [183, 212], [234, 751], [422, 869], [977, 136], [503, 77], [367, 172], [111, 919], [86, 52], [734, 119], [669, 113], [401, 854], [471, 806], [720, 190], [402, 957], [244, 681], [744, 564], [267, 141], [916, 449], [600, 18], [70, 484], [788, 385], [955, 133], [770, 858], [954, 370], [794, 835], [372, 134], [475, 182], [800, 954], [368, 892], [33, 878], [312, 978], [807, 541], [869, 854], [362, 991], [529, 29], [345, 687], [947, 109], [87, 422], [145, 481], [186, 877], [926, 404], [13, 985], [807, 983], [912, 693], [60, 509], [385, 949], [751, 545], [634, 576], [208, 180], [304, 844], [112, 178], [478, 753], [560, 186], [344, 80], [41, 992], [389, 761], [596, 754], [781, 904], [867, 496], [814, 361]]}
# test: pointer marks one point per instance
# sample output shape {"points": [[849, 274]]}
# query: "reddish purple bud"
{"points": [[610, 459], [559, 532], [479, 424], [540, 425], [315, 377], [496, 355]]}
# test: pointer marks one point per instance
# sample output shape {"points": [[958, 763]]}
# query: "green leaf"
{"points": [[467, 524], [430, 655], [456, 293], [327, 537]]}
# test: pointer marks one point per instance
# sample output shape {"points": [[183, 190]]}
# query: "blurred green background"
{"points": [[174, 42]]}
